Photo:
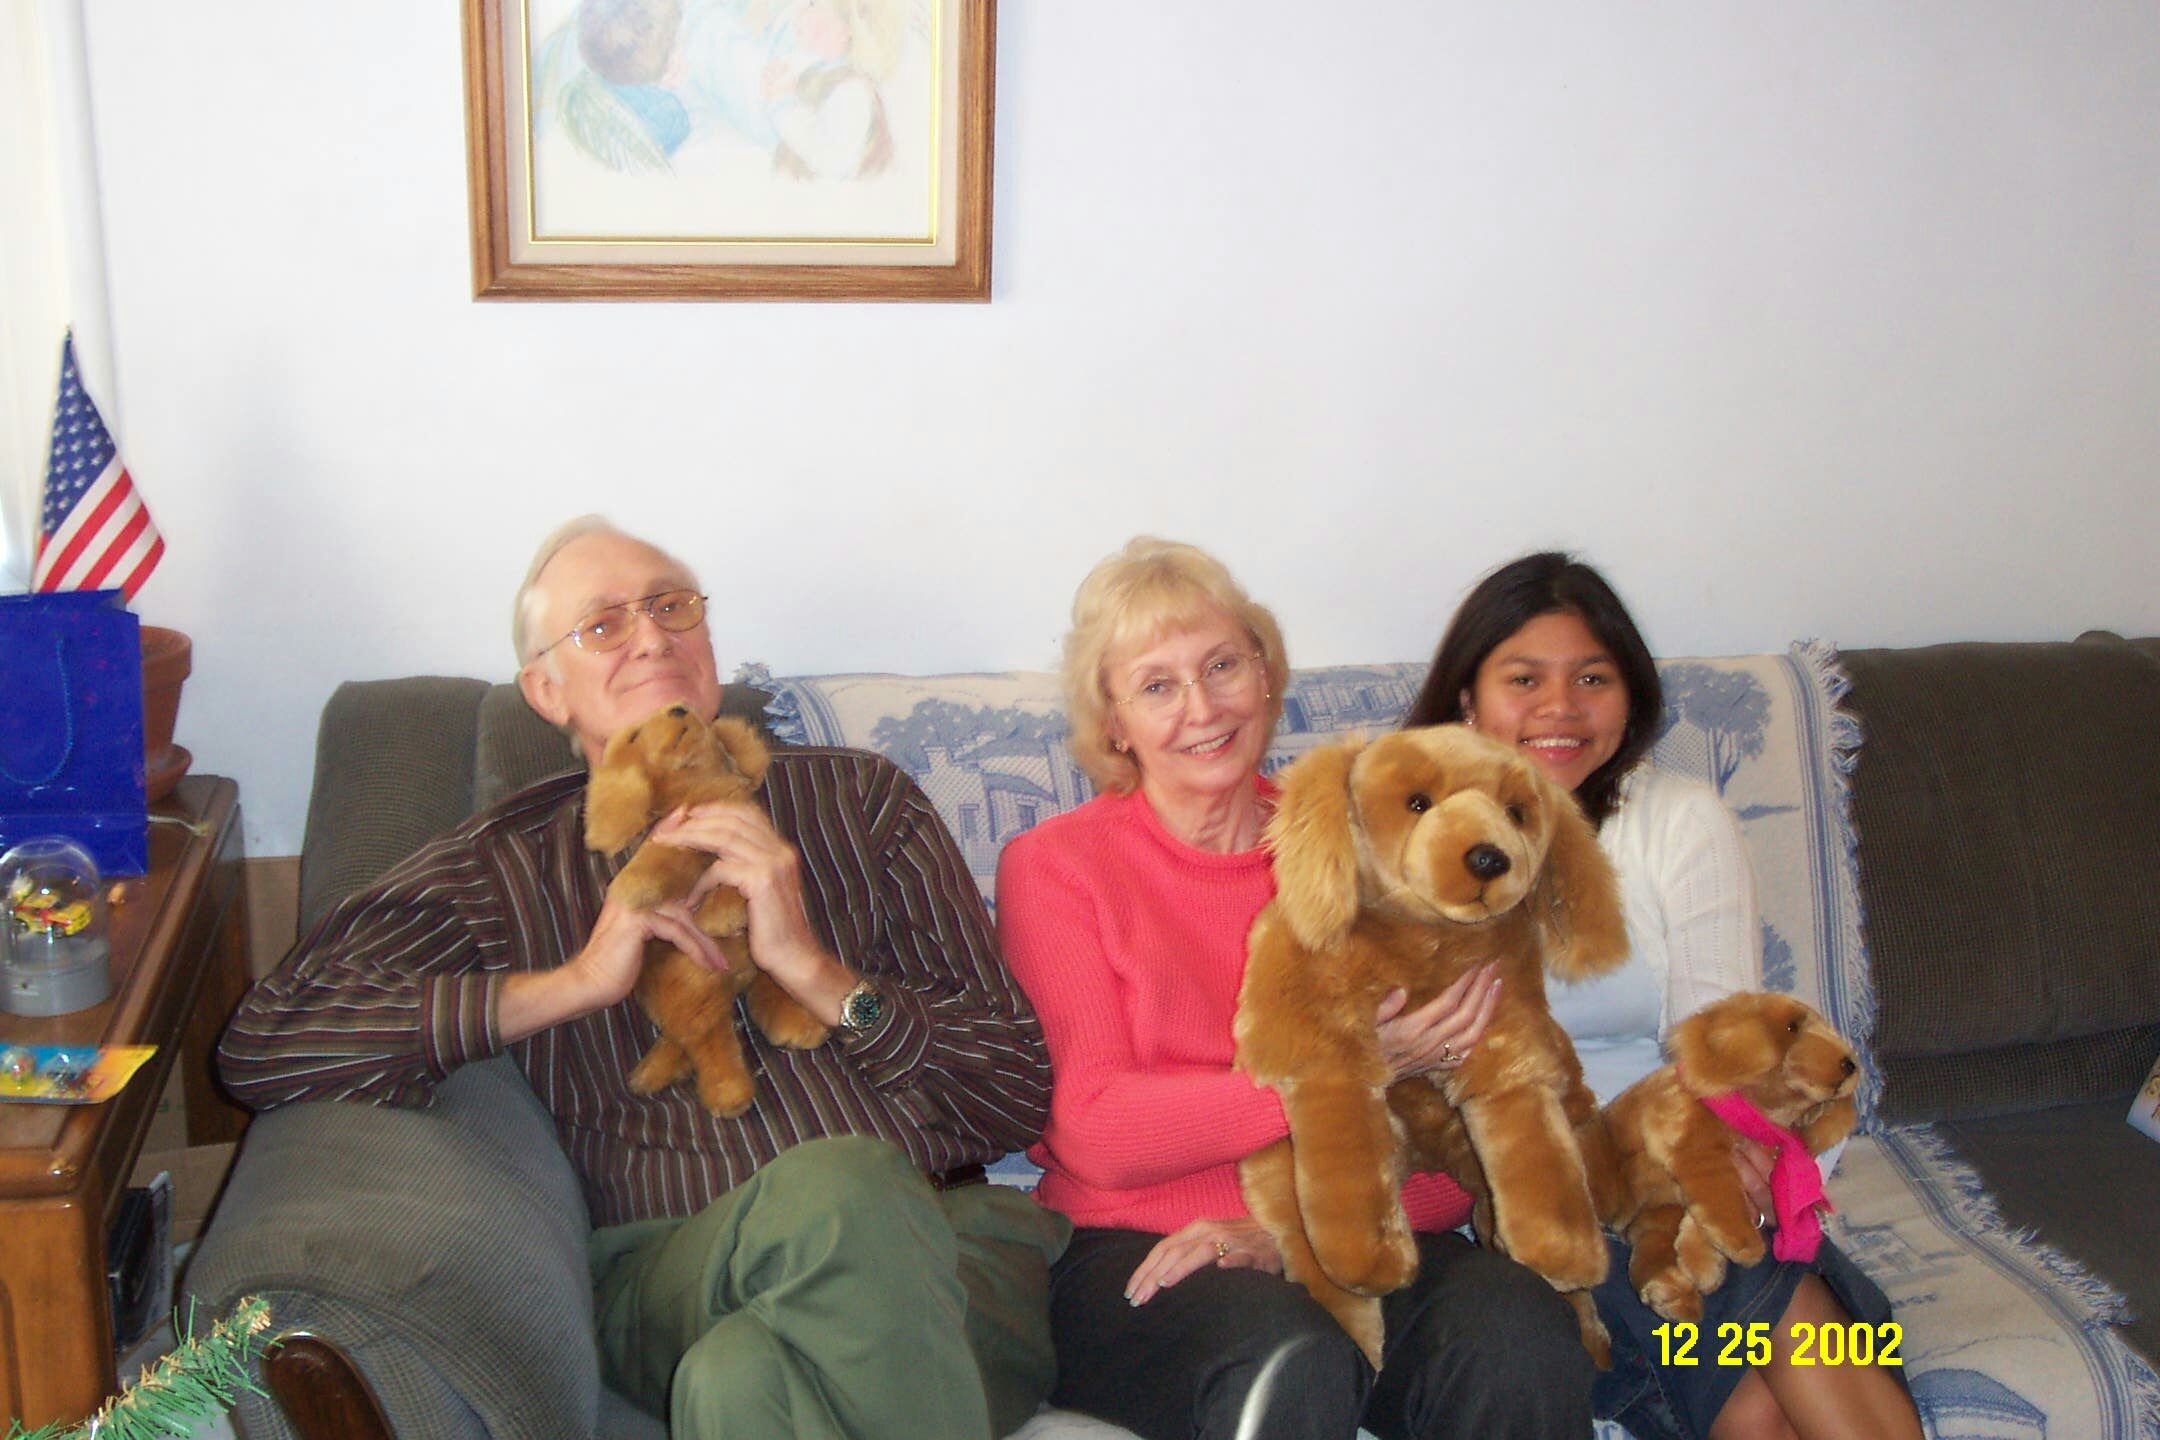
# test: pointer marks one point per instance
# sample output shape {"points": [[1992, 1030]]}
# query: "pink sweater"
{"points": [[1132, 946]]}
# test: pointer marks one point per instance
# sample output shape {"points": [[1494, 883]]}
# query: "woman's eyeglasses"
{"points": [[1225, 677]]}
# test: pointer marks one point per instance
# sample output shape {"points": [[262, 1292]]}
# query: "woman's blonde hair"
{"points": [[1150, 589]]}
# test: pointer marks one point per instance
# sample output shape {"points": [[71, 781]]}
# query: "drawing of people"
{"points": [[633, 82]]}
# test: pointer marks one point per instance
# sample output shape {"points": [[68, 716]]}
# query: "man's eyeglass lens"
{"points": [[611, 628]]}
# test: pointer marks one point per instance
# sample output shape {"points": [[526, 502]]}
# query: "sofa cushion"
{"points": [[2104, 1221], [2005, 800], [393, 769]]}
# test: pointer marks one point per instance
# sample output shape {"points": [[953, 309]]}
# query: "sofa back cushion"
{"points": [[2008, 805], [393, 769], [397, 762]]}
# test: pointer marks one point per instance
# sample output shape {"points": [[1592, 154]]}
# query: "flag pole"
{"points": [[82, 212]]}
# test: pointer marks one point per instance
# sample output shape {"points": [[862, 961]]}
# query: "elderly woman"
{"points": [[1125, 920], [1542, 655]]}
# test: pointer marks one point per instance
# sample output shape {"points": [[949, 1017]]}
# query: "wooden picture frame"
{"points": [[730, 149]]}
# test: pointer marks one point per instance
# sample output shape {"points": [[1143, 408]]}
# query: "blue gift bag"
{"points": [[71, 725]]}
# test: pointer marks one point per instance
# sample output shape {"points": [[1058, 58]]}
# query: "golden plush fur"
{"points": [[669, 759], [1674, 1192], [1378, 848]]}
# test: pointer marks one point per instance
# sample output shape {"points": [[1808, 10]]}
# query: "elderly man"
{"points": [[828, 1263]]}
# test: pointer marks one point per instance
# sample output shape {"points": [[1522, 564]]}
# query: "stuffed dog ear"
{"points": [[618, 804], [1316, 863], [1578, 909], [744, 749], [1726, 1045]]}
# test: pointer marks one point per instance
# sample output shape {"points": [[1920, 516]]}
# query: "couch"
{"points": [[1958, 850]]}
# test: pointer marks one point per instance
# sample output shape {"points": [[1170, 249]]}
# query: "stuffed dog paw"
{"points": [[1754, 1064], [1407, 861], [667, 760]]}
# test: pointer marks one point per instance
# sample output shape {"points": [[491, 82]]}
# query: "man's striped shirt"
{"points": [[398, 986]]}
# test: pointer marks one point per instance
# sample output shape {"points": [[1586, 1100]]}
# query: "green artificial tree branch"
{"points": [[196, 1381]]}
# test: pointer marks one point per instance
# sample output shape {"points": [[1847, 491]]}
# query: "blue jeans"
{"points": [[1657, 1401]]}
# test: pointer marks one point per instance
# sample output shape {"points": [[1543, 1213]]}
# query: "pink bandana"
{"points": [[1795, 1179]]}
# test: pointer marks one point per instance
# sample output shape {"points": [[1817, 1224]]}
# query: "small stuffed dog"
{"points": [[648, 769], [1674, 1192], [1407, 861]]}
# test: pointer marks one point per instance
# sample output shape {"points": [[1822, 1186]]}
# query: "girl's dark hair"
{"points": [[1511, 597]]}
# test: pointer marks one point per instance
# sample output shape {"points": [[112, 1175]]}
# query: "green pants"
{"points": [[833, 1296]]}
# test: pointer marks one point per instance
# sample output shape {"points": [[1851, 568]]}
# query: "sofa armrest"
{"points": [[442, 1249]]}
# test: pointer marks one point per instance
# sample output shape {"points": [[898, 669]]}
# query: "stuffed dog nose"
{"points": [[678, 711], [1487, 862]]}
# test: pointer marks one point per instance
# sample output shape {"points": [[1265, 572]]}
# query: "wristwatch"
{"points": [[862, 1007]]}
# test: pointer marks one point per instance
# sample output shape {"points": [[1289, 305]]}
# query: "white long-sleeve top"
{"points": [[1694, 934]]}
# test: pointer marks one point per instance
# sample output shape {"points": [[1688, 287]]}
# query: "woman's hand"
{"points": [[1238, 1244], [1439, 1033]]}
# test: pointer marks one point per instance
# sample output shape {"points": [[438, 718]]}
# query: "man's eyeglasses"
{"points": [[1225, 677], [610, 629]]}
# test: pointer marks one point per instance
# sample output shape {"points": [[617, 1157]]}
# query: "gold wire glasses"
{"points": [[1223, 677], [610, 629]]}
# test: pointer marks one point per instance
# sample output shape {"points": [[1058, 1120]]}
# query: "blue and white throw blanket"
{"points": [[2002, 1335]]}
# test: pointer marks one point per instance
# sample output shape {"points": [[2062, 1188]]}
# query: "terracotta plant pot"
{"points": [[167, 657]]}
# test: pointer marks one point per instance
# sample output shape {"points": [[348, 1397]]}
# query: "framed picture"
{"points": [[730, 149]]}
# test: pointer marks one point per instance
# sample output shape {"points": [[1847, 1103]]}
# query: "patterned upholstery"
{"points": [[2002, 1336], [990, 751]]}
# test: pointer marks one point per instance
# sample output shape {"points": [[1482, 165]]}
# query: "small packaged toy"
{"points": [[68, 1074]]}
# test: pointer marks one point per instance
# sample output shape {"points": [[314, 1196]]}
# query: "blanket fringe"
{"points": [[1817, 661], [1931, 1162], [783, 717], [1922, 1150]]}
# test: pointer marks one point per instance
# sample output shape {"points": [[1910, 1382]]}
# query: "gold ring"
{"points": [[1447, 1053], [1761, 1219], [1222, 1249]]}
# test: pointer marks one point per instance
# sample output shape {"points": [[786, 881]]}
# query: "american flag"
{"points": [[95, 533]]}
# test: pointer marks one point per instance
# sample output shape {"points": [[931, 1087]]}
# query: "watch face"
{"points": [[862, 1008]]}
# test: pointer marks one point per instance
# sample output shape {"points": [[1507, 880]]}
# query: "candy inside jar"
{"points": [[56, 953]]}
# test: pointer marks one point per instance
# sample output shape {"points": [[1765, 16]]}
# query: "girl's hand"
{"points": [[1753, 1162]]}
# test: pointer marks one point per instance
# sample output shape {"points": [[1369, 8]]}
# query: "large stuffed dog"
{"points": [[648, 769], [1754, 1064], [1407, 861]]}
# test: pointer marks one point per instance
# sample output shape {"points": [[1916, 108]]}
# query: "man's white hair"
{"points": [[525, 616]]}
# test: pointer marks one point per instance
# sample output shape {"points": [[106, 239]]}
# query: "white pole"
{"points": [[81, 205]]}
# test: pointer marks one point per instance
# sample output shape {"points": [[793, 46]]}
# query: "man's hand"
{"points": [[604, 972], [749, 854]]}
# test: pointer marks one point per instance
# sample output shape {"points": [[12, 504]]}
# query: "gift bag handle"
{"points": [[67, 727]]}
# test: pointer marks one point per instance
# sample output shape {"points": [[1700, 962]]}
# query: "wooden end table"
{"points": [[179, 966]]}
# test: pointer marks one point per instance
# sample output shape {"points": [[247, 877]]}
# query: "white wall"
{"points": [[1832, 319]]}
